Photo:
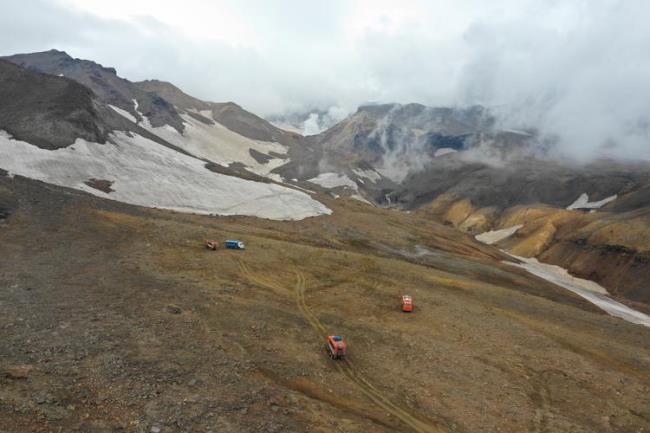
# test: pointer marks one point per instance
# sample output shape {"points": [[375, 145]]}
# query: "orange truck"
{"points": [[336, 347], [407, 303]]}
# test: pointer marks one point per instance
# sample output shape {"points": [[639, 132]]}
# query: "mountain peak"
{"points": [[58, 52], [53, 61]]}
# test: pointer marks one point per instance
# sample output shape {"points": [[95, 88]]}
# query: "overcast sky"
{"points": [[579, 69]]}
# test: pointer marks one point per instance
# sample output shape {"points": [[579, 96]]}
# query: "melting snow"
{"points": [[583, 202], [361, 199], [494, 236], [371, 175], [444, 151], [146, 173], [124, 113], [587, 289], [333, 180], [217, 143], [518, 132]]}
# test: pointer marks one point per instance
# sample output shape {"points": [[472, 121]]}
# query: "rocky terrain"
{"points": [[459, 168], [115, 317]]}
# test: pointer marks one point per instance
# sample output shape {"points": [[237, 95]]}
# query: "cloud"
{"points": [[576, 70]]}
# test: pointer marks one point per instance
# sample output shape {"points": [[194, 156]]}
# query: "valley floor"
{"points": [[115, 318]]}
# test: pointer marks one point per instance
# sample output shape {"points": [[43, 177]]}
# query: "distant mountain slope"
{"points": [[377, 133], [156, 100], [58, 131], [229, 114], [109, 87], [456, 166]]}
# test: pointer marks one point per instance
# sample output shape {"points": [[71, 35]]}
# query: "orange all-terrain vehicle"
{"points": [[407, 303], [336, 347]]}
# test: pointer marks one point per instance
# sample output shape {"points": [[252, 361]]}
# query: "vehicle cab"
{"points": [[336, 347], [407, 303]]}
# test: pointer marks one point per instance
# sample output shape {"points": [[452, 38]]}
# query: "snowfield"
{"points": [[371, 175], [587, 289], [444, 151], [123, 113], [216, 143], [333, 180], [583, 202], [146, 173], [494, 236]]}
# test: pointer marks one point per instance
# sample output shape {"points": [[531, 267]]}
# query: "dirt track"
{"points": [[415, 422]]}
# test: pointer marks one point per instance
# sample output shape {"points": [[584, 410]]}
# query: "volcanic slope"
{"points": [[457, 167], [115, 317], [56, 130], [223, 133]]}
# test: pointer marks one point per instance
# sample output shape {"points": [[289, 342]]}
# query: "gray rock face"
{"points": [[48, 111], [156, 99], [105, 83]]}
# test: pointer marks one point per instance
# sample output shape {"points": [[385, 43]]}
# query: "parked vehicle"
{"points": [[235, 245], [407, 303], [212, 245]]}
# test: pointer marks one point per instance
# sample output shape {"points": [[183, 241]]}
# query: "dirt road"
{"points": [[416, 423]]}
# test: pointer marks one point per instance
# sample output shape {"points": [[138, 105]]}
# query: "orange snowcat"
{"points": [[407, 303], [336, 347], [212, 245]]}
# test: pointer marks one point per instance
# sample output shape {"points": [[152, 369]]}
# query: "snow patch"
{"points": [[124, 113], [146, 173], [371, 175], [518, 132], [494, 236], [583, 202], [286, 127], [587, 289], [220, 145], [361, 199], [333, 180], [444, 151]]}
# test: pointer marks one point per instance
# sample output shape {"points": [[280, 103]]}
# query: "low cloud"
{"points": [[575, 71]]}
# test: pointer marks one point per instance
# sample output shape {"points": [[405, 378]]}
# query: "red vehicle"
{"points": [[407, 303], [336, 347], [212, 245]]}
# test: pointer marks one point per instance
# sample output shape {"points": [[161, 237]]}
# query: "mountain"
{"points": [[115, 317], [51, 112], [105, 83], [454, 165], [181, 159]]}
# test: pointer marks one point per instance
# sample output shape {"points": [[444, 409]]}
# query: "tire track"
{"points": [[346, 367]]}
